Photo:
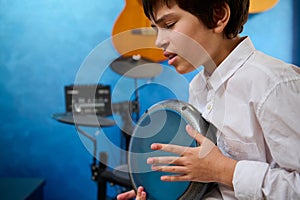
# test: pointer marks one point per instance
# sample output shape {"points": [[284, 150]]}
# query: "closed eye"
{"points": [[168, 26]]}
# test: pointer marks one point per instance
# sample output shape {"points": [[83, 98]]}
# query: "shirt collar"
{"points": [[231, 64]]}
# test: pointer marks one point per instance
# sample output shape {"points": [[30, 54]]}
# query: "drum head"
{"points": [[164, 122]]}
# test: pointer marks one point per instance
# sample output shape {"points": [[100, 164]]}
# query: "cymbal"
{"points": [[136, 67]]}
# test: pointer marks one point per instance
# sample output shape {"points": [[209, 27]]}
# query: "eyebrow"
{"points": [[163, 18]]}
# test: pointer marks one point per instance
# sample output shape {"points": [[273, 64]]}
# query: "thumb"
{"points": [[126, 195], [206, 145], [194, 134]]}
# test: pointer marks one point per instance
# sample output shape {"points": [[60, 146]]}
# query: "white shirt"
{"points": [[254, 102]]}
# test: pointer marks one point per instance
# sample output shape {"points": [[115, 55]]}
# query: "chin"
{"points": [[182, 69]]}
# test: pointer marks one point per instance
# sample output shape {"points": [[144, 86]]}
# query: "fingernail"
{"points": [[188, 127], [153, 146], [149, 161]]}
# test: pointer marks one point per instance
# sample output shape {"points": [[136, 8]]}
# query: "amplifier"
{"points": [[88, 99]]}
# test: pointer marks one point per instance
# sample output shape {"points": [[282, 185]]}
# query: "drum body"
{"points": [[165, 122]]}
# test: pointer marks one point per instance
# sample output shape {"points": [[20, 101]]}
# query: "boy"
{"points": [[251, 98]]}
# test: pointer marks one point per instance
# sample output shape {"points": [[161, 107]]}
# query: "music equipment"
{"points": [[133, 35], [257, 6], [135, 67], [88, 99], [83, 120], [165, 122]]}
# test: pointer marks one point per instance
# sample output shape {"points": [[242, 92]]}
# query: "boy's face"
{"points": [[186, 41]]}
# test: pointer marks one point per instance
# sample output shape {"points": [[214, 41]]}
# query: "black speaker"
{"points": [[88, 99]]}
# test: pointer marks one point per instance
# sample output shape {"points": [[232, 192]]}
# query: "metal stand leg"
{"points": [[97, 167], [101, 183]]}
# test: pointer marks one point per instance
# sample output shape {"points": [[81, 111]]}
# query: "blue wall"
{"points": [[43, 44], [296, 17]]}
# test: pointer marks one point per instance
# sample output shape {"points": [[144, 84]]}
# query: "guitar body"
{"points": [[257, 6], [132, 33]]}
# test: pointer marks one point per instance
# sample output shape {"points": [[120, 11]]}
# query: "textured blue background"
{"points": [[42, 46]]}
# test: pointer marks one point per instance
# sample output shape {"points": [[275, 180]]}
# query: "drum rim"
{"points": [[193, 117]]}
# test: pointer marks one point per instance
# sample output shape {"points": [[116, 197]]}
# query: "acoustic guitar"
{"points": [[133, 35], [257, 6]]}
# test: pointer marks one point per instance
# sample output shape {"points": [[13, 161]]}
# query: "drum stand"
{"points": [[100, 173], [96, 167]]}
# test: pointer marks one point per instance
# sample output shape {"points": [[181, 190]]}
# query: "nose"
{"points": [[161, 39]]}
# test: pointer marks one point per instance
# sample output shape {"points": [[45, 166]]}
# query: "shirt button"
{"points": [[209, 107]]}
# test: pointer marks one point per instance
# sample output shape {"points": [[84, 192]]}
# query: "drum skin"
{"points": [[165, 122]]}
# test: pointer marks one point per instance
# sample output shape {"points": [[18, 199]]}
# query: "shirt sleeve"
{"points": [[256, 180], [279, 177], [248, 179]]}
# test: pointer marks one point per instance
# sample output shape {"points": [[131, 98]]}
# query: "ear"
{"points": [[221, 18]]}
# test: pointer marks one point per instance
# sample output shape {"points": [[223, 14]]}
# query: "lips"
{"points": [[171, 57]]}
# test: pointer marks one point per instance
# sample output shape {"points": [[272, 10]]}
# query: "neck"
{"points": [[220, 54]]}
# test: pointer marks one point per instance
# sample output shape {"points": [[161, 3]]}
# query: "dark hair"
{"points": [[205, 11]]}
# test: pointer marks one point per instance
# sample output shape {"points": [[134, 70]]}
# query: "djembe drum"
{"points": [[165, 122]]}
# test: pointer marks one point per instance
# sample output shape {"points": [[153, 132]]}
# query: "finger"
{"points": [[141, 194], [164, 160], [206, 144], [126, 195], [144, 196], [169, 148], [170, 169], [175, 178]]}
